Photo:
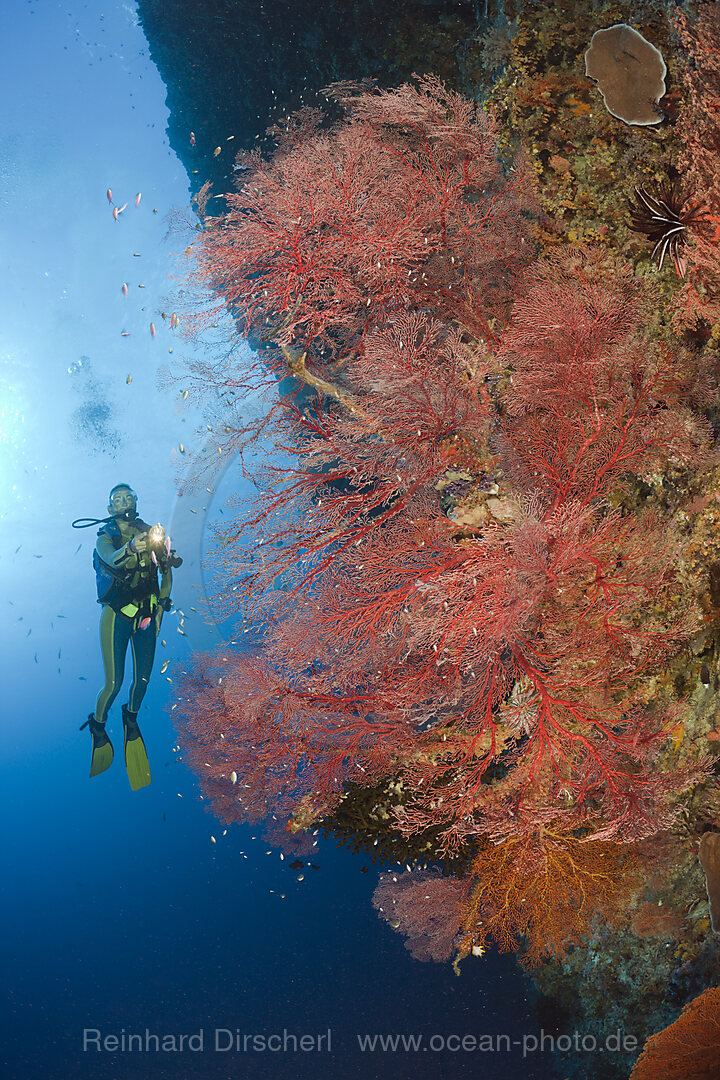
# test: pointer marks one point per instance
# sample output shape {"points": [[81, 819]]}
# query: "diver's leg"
{"points": [[114, 637], [142, 643], [113, 646]]}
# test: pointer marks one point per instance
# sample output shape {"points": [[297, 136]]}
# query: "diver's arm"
{"points": [[126, 556], [116, 558]]}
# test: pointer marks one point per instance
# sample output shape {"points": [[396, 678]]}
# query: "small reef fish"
{"points": [[121, 208], [115, 213], [124, 288], [192, 138], [173, 321], [138, 197], [109, 195], [152, 329], [216, 151], [184, 395], [128, 379], [233, 777], [124, 333]]}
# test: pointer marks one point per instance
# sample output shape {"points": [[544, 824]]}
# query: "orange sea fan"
{"points": [[547, 887], [689, 1049]]}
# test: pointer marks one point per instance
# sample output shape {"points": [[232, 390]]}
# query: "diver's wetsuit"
{"points": [[120, 620]]}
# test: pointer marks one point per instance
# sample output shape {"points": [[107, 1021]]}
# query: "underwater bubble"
{"points": [[92, 424], [80, 366]]}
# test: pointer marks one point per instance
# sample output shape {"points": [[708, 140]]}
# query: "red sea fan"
{"points": [[590, 401], [394, 637], [287, 739], [403, 204]]}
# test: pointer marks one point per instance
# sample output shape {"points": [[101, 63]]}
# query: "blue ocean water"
{"points": [[120, 915]]}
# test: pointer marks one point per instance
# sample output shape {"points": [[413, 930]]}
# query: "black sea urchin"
{"points": [[664, 213]]}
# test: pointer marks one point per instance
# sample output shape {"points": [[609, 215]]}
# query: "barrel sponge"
{"points": [[630, 73]]}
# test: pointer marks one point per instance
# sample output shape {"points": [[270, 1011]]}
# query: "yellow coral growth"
{"points": [[547, 887]]}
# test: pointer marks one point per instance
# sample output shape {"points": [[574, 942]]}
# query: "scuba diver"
{"points": [[133, 564]]}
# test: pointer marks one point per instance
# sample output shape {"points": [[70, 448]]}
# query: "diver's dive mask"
{"points": [[122, 502]]}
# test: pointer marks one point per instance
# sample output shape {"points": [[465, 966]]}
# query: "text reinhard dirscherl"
{"points": [[219, 1040], [223, 1040]]}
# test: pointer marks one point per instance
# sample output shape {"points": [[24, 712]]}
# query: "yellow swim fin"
{"points": [[102, 748], [136, 759]]}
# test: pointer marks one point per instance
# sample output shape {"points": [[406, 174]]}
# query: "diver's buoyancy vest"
{"points": [[119, 586]]}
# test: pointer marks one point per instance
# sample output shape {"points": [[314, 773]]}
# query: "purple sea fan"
{"points": [[425, 908]]}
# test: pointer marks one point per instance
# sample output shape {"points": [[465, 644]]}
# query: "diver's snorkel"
{"points": [[85, 523], [120, 494], [122, 515]]}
